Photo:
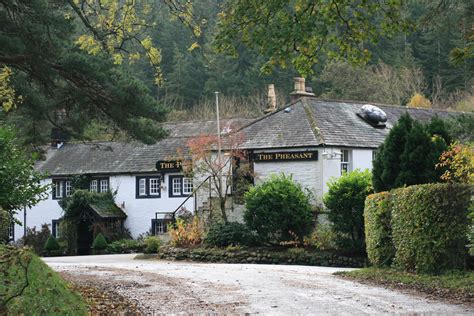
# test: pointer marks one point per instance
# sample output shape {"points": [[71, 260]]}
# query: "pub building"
{"points": [[311, 139]]}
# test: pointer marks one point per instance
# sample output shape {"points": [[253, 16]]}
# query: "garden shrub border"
{"points": [[293, 256]]}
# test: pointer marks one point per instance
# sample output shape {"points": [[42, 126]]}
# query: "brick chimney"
{"points": [[271, 102], [300, 89]]}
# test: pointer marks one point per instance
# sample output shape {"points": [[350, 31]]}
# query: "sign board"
{"points": [[285, 156], [169, 165]]}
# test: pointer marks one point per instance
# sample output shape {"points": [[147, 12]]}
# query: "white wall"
{"points": [[308, 173], [362, 159], [139, 212]]}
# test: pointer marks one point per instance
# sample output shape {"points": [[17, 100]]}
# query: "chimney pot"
{"points": [[300, 89], [271, 99]]}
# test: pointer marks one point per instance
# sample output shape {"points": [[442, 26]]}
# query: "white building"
{"points": [[312, 139]]}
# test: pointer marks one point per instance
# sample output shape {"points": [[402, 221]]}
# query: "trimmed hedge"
{"points": [[99, 242], [378, 231], [51, 244], [429, 226]]}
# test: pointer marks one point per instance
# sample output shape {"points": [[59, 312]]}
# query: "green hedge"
{"points": [[378, 232], [429, 226]]}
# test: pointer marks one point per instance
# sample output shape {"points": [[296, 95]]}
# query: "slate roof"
{"points": [[307, 122], [312, 122], [118, 157], [107, 210]]}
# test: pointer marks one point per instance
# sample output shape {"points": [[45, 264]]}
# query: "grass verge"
{"points": [[46, 294], [455, 286]]}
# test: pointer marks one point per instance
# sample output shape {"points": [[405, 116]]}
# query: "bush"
{"points": [[230, 234], [125, 246], [37, 239], [378, 230], [4, 224], [470, 236], [345, 201], [430, 225], [185, 234], [278, 209], [323, 238], [152, 244], [51, 244], [99, 242]]}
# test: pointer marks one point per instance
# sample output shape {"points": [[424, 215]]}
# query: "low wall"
{"points": [[265, 256]]}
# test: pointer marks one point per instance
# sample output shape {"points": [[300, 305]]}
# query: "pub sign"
{"points": [[285, 156], [169, 165]]}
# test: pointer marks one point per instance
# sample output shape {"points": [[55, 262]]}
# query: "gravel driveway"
{"points": [[174, 287]]}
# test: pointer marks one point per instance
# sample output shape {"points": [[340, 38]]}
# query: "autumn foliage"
{"points": [[458, 161]]}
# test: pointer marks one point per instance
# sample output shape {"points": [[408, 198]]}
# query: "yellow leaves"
{"points": [[118, 58], [89, 44], [458, 162], [419, 101], [193, 46], [8, 96]]}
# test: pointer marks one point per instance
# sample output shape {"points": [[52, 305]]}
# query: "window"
{"points": [[159, 226], [345, 161], [93, 186], [187, 186], [104, 185], [11, 231], [58, 189], [148, 187], [180, 186], [142, 187], [374, 155], [55, 228], [100, 185], [68, 187]]}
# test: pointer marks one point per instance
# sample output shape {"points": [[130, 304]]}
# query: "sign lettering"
{"points": [[285, 156], [169, 165]]}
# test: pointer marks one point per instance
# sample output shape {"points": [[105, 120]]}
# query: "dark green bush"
{"points": [[36, 239], [125, 246], [278, 210], [223, 235], [51, 244], [99, 242], [430, 225], [378, 231], [152, 244], [345, 201], [4, 224]]}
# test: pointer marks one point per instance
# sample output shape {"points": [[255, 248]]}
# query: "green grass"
{"points": [[47, 293], [455, 284]]}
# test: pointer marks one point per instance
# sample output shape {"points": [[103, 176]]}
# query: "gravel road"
{"points": [[183, 287]]}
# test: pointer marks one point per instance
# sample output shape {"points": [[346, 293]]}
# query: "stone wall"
{"points": [[264, 256]]}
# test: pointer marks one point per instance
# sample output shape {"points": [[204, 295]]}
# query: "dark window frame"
{"points": [[54, 231], [170, 186], [99, 187], [62, 182], [165, 223], [147, 194], [11, 231]]}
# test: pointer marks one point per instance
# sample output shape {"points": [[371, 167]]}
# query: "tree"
{"points": [[457, 163], [409, 154], [301, 33], [19, 183], [345, 202], [206, 161], [63, 85], [278, 210]]}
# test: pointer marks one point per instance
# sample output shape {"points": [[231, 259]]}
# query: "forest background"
{"points": [[416, 67]]}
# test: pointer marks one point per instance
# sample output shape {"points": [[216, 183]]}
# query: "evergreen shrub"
{"points": [[99, 242], [378, 230], [278, 209], [125, 246], [51, 244], [230, 234], [152, 244], [345, 202], [429, 226]]}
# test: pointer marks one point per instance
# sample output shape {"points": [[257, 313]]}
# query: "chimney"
{"points": [[58, 137], [301, 90], [271, 102]]}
